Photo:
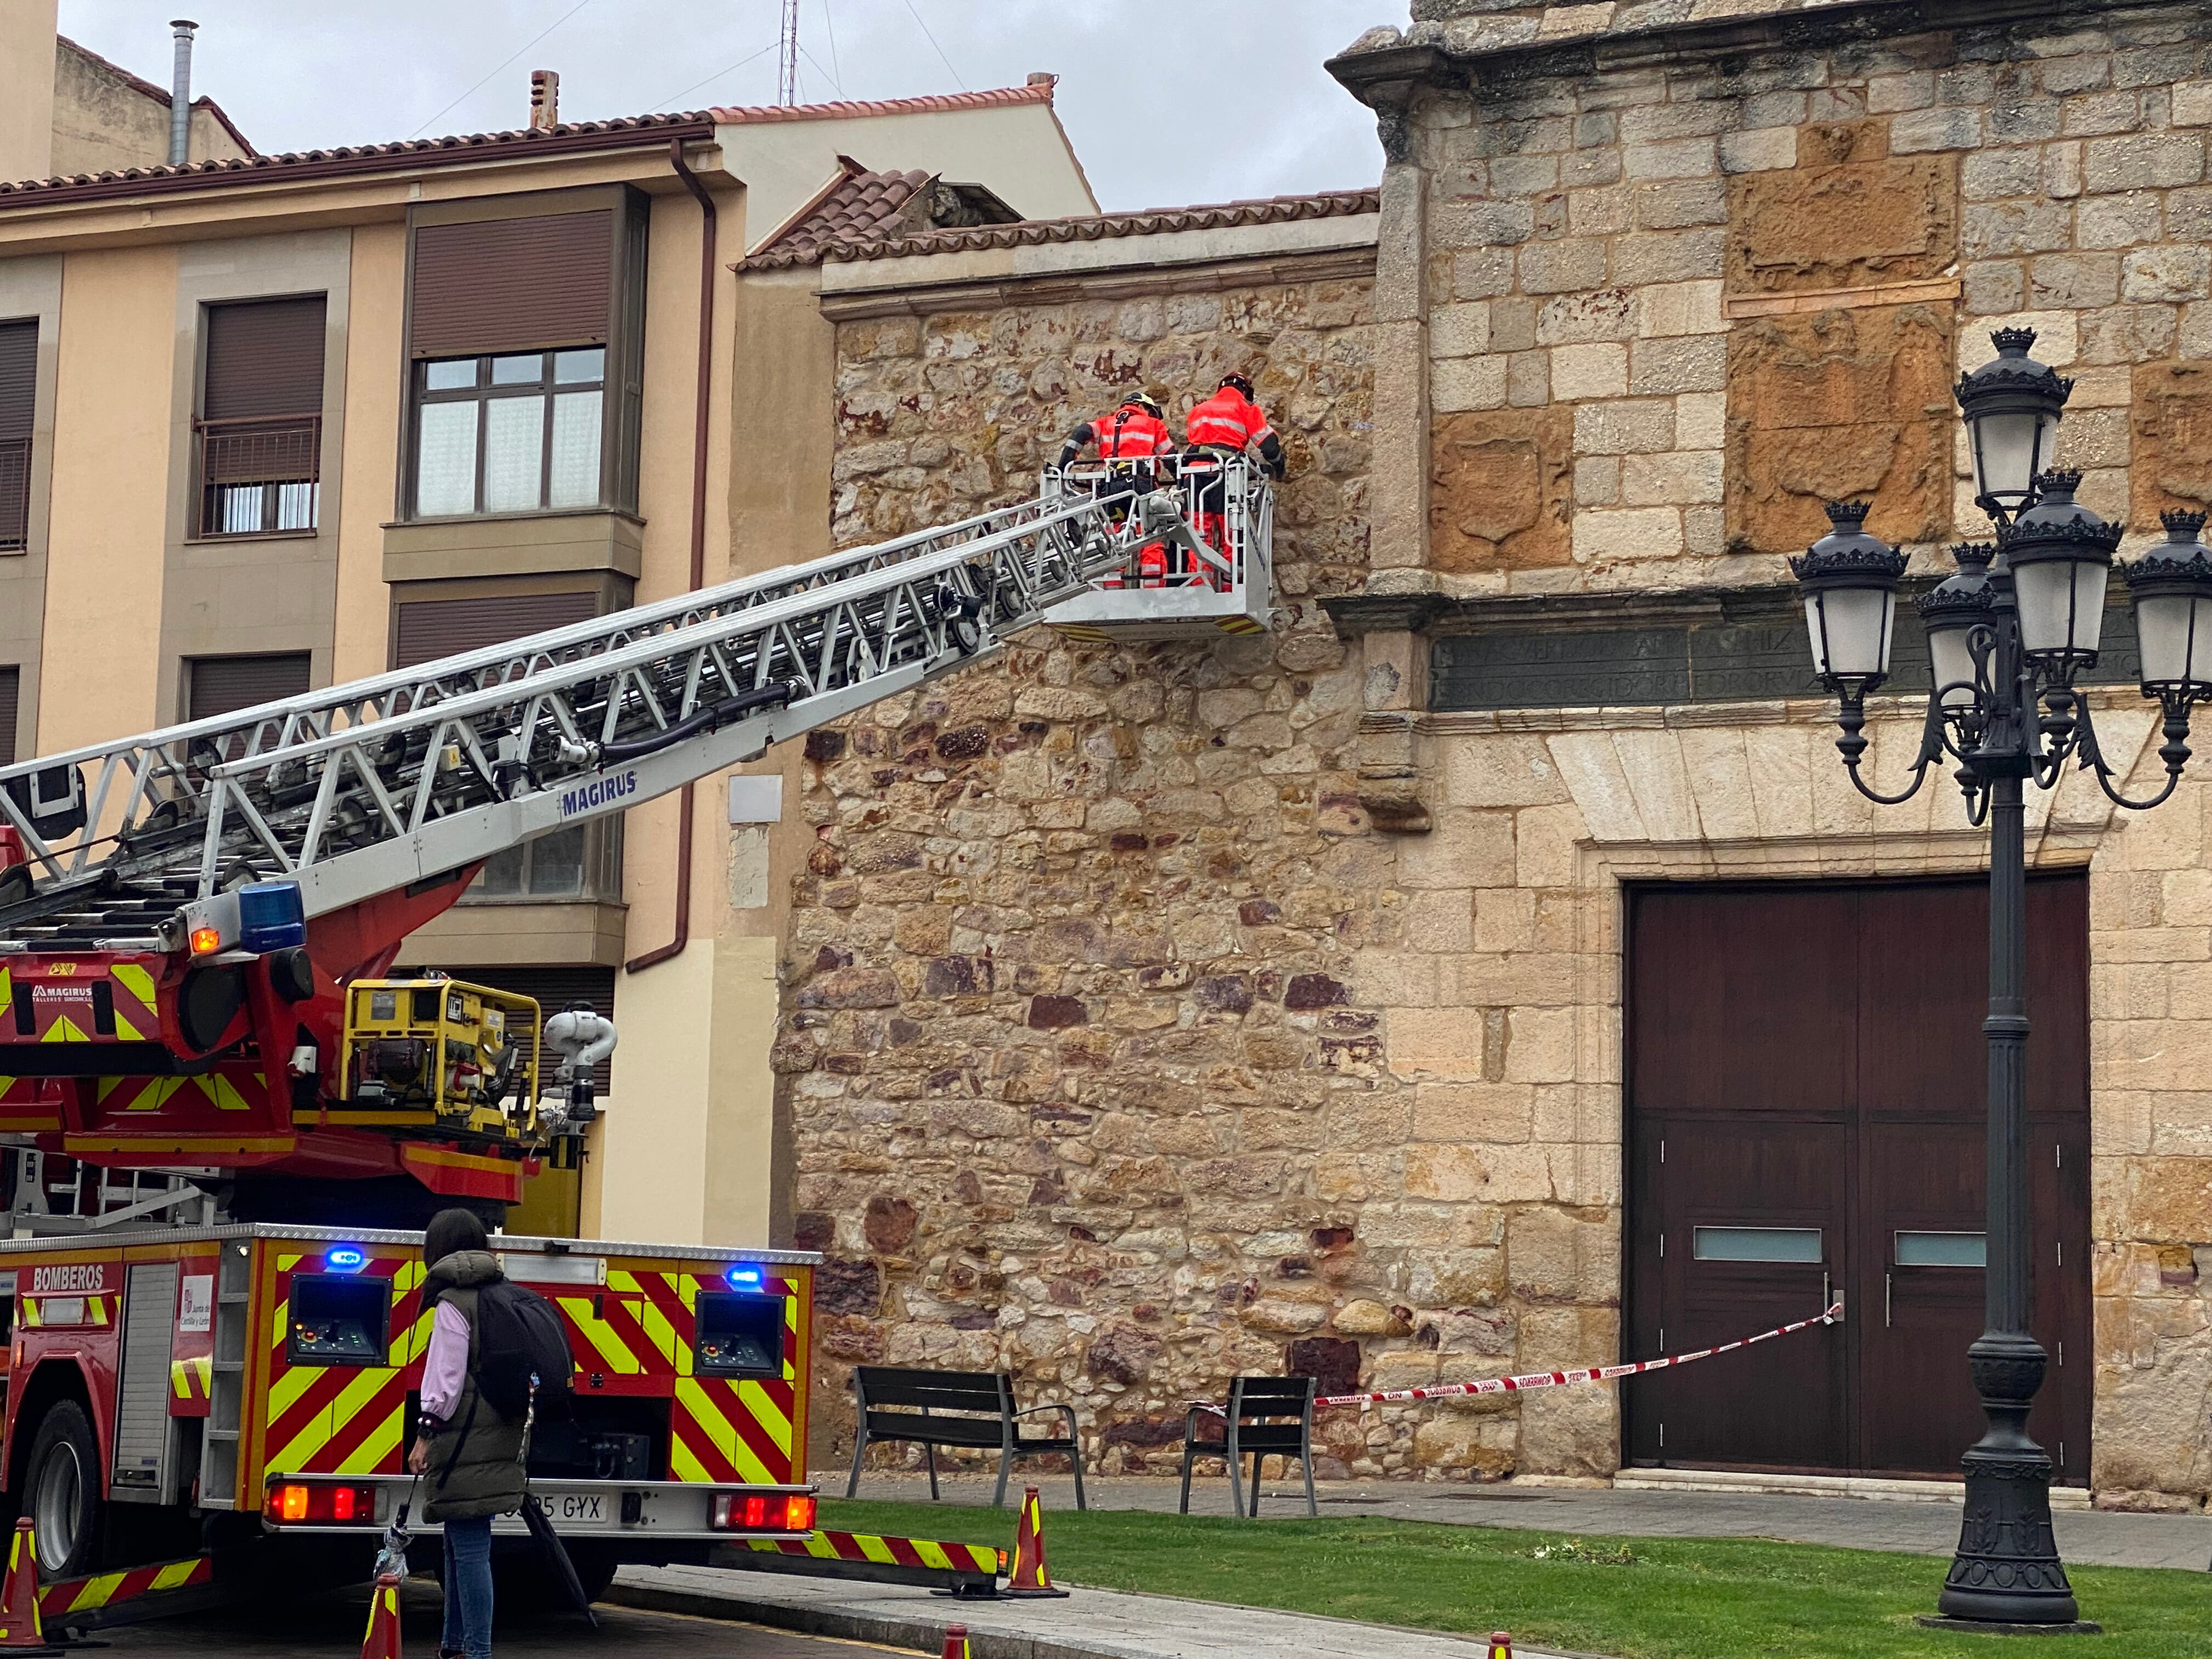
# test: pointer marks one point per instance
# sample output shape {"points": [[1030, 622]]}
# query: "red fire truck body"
{"points": [[270, 1373]]}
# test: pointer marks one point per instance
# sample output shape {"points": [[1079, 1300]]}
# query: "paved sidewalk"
{"points": [[2086, 1538], [1088, 1625]]}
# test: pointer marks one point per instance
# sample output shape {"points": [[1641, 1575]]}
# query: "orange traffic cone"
{"points": [[1501, 1644], [382, 1641], [955, 1643], [1030, 1577], [20, 1629]]}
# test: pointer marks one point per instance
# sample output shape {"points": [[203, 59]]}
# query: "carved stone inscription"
{"points": [[1838, 405], [1502, 489], [2171, 457], [1849, 215]]}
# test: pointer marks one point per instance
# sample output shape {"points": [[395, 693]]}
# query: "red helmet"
{"points": [[1242, 385]]}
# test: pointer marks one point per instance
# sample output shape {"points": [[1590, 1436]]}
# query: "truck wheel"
{"points": [[61, 1491]]}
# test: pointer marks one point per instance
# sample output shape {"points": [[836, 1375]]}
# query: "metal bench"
{"points": [[1254, 1426], [972, 1411]]}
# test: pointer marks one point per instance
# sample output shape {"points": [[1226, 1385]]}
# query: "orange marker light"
{"points": [[206, 941], [292, 1502]]}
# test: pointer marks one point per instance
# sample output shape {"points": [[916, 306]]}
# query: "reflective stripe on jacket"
{"points": [[1227, 419], [1131, 435]]}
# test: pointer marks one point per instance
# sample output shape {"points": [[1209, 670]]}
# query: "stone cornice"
{"points": [[1384, 76], [1122, 283]]}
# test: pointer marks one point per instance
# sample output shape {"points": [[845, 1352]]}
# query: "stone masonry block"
{"points": [[1609, 314], [1625, 534], [1567, 266], [1692, 362], [1665, 309], [1460, 331], [1637, 427], [1671, 158], [1464, 383], [2120, 220], [2074, 281], [1668, 256], [1683, 478], [2165, 274], [1921, 130], [1765, 150], [1680, 203], [1579, 371], [2144, 161], [2192, 104]]}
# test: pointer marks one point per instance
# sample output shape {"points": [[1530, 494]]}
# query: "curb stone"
{"points": [[925, 1633]]}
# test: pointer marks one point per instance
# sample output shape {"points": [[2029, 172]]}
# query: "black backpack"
{"points": [[519, 1336]]}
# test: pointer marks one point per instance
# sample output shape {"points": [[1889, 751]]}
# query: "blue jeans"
{"points": [[468, 1588]]}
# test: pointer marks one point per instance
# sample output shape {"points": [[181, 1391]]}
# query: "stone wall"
{"points": [[1081, 1085]]}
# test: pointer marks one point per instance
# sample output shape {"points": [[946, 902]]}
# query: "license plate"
{"points": [[579, 1509]]}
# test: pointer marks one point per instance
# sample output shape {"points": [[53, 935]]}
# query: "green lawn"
{"points": [[1668, 1599]]}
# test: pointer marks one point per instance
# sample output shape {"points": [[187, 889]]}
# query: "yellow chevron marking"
{"points": [[687, 1467], [874, 1548], [225, 1095], [182, 1372], [133, 979], [176, 1573], [379, 1444], [157, 1093], [32, 1318], [756, 1406], [355, 1397], [619, 1358], [6, 986], [124, 1029], [64, 1029], [692, 1398]]}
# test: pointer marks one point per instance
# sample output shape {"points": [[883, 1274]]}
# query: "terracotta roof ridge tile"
{"points": [[1033, 233], [790, 250], [1037, 92]]}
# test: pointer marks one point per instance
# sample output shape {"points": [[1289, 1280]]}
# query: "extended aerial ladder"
{"points": [[182, 912]]}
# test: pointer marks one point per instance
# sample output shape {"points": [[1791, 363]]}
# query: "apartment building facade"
{"points": [[269, 423]]}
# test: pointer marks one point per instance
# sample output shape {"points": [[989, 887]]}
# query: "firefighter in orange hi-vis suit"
{"points": [[1135, 443], [1226, 424]]}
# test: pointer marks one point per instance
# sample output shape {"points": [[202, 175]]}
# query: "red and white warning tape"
{"points": [[1559, 1379]]}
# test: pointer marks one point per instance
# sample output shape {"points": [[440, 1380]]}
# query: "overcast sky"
{"points": [[1168, 103]]}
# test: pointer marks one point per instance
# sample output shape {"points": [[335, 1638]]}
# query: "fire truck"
{"points": [[213, 1361]]}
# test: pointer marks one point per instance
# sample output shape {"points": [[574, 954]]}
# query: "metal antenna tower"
{"points": [[787, 79]]}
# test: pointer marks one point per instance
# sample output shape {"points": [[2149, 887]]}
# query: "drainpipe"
{"points": [[181, 94], [707, 237]]}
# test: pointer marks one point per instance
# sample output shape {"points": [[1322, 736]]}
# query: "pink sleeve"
{"points": [[446, 1366]]}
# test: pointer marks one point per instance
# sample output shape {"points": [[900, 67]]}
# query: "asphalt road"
{"points": [[330, 1628]]}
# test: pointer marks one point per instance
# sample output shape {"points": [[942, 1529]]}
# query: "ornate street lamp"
{"points": [[2006, 636]]}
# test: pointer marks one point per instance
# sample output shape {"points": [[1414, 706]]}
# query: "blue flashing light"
{"points": [[270, 916], [744, 1278], [346, 1259]]}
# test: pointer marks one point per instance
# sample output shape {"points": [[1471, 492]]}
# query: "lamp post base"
{"points": [[2007, 1570], [1977, 1627]]}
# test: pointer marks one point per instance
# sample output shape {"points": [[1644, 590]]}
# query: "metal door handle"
{"points": [[1886, 1280]]}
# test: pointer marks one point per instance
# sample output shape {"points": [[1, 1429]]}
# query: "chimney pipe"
{"points": [[544, 99], [181, 94]]}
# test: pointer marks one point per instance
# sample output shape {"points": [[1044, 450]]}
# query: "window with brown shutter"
{"points": [[260, 426], [224, 685], [19, 387], [11, 688], [424, 630], [523, 335], [583, 861]]}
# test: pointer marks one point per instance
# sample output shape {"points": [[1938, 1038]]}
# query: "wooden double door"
{"points": [[1807, 1092]]}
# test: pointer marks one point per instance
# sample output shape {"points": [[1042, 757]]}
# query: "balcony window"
{"points": [[582, 862], [258, 435], [516, 433]]}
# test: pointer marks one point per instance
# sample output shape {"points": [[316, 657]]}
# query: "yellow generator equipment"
{"points": [[464, 1057]]}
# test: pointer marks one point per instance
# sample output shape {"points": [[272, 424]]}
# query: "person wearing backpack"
{"points": [[470, 1450]]}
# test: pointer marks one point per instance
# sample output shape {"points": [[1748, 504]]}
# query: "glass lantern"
{"points": [[1950, 613], [2012, 406], [2060, 553], [2172, 587], [1849, 580]]}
